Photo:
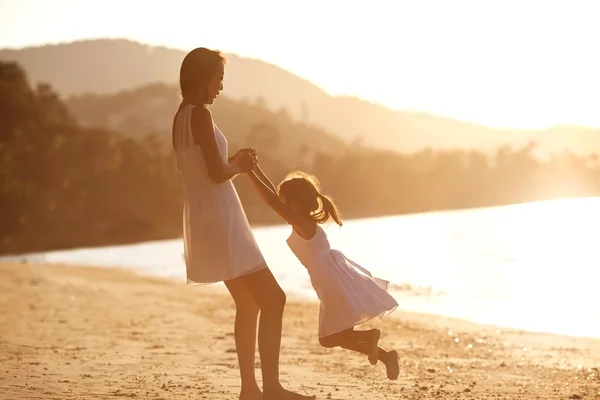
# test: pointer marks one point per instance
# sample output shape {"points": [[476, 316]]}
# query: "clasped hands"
{"points": [[246, 159]]}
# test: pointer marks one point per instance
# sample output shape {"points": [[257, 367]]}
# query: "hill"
{"points": [[149, 110], [107, 66]]}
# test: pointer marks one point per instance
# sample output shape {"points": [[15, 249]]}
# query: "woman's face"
{"points": [[215, 84]]}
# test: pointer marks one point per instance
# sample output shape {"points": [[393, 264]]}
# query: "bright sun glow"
{"points": [[526, 63]]}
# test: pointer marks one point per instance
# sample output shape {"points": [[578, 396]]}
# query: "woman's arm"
{"points": [[204, 136], [233, 158]]}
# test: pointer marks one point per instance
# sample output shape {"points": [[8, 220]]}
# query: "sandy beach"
{"points": [[95, 333]]}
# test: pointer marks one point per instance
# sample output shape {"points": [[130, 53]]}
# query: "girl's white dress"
{"points": [[349, 294], [218, 242]]}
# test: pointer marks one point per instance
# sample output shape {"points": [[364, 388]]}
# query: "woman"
{"points": [[219, 244]]}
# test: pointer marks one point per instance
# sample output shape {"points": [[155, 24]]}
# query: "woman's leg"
{"points": [[365, 342], [270, 298], [246, 318]]}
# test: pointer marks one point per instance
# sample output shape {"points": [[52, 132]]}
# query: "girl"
{"points": [[348, 293]]}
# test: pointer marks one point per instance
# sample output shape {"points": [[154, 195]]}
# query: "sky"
{"points": [[503, 63]]}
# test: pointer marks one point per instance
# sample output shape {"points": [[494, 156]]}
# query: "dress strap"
{"points": [[183, 129]]}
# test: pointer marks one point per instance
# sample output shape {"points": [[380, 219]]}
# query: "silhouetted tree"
{"points": [[65, 185], [264, 136]]}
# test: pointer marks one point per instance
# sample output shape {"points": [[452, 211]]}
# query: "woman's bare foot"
{"points": [[374, 342], [391, 365], [251, 394], [283, 394]]}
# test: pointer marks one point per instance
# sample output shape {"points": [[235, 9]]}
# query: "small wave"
{"points": [[414, 290]]}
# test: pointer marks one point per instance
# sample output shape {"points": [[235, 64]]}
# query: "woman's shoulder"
{"points": [[201, 119], [200, 112], [194, 111]]}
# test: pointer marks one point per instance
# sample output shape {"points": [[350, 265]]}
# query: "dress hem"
{"points": [[381, 315], [262, 265]]}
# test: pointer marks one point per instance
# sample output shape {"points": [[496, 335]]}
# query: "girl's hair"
{"points": [[197, 68], [304, 190]]}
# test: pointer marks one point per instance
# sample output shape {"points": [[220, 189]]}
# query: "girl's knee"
{"points": [[328, 342]]}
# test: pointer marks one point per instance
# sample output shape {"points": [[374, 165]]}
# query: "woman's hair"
{"points": [[197, 68], [304, 190]]}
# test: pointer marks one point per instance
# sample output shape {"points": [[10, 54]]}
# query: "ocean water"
{"points": [[530, 266]]}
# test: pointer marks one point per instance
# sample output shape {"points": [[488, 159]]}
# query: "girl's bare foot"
{"points": [[391, 365], [374, 342]]}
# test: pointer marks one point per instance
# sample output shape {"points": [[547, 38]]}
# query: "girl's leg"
{"points": [[365, 342], [269, 297]]}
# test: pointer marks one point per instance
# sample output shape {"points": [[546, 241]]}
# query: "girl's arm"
{"points": [[268, 193], [263, 177], [270, 197]]}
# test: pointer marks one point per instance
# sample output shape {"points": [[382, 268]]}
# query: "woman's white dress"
{"points": [[218, 242], [349, 294]]}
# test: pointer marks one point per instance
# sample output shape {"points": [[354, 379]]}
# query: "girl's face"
{"points": [[292, 204], [214, 85]]}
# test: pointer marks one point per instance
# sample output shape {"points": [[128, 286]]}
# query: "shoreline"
{"points": [[294, 295], [274, 221], [87, 332]]}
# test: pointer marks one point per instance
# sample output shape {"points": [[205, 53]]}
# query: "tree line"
{"points": [[65, 185]]}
